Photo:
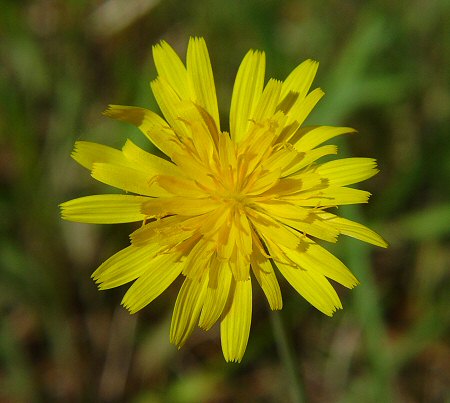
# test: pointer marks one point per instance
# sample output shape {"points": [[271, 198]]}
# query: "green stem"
{"points": [[287, 356]]}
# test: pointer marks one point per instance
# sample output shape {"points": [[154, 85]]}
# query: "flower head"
{"points": [[225, 208]]}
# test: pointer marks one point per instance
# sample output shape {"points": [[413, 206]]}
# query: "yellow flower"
{"points": [[222, 205]]}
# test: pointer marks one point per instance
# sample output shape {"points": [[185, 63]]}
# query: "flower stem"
{"points": [[287, 356]]}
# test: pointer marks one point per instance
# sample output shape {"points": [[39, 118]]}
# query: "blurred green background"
{"points": [[385, 71]]}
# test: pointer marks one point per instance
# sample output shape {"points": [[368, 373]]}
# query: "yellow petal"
{"points": [[265, 182], [258, 144], [239, 264], [192, 168], [178, 186], [347, 171], [308, 158], [313, 226], [201, 77], [148, 162], [199, 132], [268, 102], [260, 140], [306, 138], [104, 209], [165, 231], [279, 208], [184, 206], [211, 124], [331, 196], [301, 219], [211, 223], [187, 309], [315, 259], [300, 79], [152, 125], [128, 179], [124, 266], [354, 229], [244, 238], [170, 104], [314, 287], [159, 274], [226, 240], [198, 259], [171, 69], [293, 185], [216, 294], [285, 160], [264, 273], [246, 93], [235, 326], [268, 228], [87, 153], [300, 111]]}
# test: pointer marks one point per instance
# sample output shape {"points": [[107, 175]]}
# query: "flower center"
{"points": [[234, 198]]}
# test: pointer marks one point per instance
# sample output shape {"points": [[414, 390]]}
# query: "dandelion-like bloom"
{"points": [[223, 205]]}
